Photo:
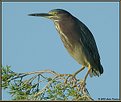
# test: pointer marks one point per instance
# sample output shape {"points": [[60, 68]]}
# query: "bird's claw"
{"points": [[82, 84]]}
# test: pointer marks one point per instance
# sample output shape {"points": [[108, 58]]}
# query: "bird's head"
{"points": [[55, 15]]}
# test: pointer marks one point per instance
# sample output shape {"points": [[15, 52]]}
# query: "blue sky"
{"points": [[32, 43]]}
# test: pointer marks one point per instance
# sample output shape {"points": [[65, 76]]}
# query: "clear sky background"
{"points": [[32, 43]]}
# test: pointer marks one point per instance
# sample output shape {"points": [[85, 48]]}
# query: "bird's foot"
{"points": [[83, 88], [82, 84], [71, 79]]}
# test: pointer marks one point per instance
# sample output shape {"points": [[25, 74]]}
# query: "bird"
{"points": [[77, 39]]}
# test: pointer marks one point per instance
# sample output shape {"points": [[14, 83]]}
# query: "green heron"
{"points": [[77, 39]]}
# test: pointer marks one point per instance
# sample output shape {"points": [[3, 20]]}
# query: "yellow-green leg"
{"points": [[87, 74], [78, 71], [83, 83]]}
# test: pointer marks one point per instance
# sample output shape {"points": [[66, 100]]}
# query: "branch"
{"points": [[44, 85]]}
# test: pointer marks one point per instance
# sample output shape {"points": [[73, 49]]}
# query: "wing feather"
{"points": [[89, 42]]}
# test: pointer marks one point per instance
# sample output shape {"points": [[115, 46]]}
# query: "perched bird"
{"points": [[77, 39]]}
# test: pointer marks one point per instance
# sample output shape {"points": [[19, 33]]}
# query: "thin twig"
{"points": [[37, 94]]}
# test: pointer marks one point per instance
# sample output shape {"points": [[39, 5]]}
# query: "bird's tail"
{"points": [[96, 71]]}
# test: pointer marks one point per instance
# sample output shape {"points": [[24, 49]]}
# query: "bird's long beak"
{"points": [[47, 15]]}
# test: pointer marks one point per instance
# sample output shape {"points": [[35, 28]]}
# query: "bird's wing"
{"points": [[88, 41]]}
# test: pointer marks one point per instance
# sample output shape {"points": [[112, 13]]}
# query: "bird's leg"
{"points": [[73, 76], [78, 71], [83, 83], [87, 74]]}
